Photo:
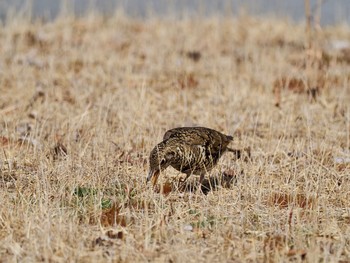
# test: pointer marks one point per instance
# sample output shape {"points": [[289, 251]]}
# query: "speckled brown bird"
{"points": [[190, 150]]}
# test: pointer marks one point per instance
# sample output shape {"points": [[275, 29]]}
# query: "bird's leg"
{"points": [[201, 178], [182, 182], [202, 186]]}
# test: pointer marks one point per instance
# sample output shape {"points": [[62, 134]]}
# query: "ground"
{"points": [[84, 100]]}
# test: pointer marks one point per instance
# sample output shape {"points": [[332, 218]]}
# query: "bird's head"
{"points": [[159, 159]]}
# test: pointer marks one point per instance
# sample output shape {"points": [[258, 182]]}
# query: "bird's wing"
{"points": [[212, 140]]}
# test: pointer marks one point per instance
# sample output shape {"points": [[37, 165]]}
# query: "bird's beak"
{"points": [[153, 174]]}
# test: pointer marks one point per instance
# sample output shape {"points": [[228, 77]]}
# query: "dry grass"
{"points": [[83, 101]]}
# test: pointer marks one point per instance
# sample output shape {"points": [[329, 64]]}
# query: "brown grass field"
{"points": [[84, 100]]}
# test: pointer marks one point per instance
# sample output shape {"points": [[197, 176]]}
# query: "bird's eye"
{"points": [[162, 161]]}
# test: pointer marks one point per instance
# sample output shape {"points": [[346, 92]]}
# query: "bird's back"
{"points": [[199, 136]]}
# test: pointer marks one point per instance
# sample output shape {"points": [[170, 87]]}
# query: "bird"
{"points": [[190, 150]]}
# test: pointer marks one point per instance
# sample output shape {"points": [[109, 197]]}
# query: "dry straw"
{"points": [[83, 101]]}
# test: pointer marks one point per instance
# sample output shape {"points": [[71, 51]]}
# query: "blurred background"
{"points": [[332, 11]]}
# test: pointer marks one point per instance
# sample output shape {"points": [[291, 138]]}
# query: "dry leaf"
{"points": [[112, 217], [284, 200], [4, 141], [166, 188], [187, 80]]}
